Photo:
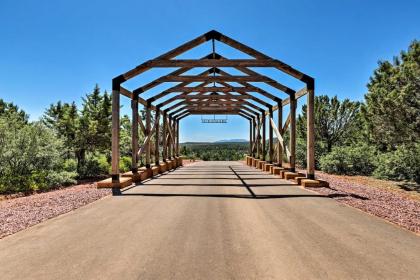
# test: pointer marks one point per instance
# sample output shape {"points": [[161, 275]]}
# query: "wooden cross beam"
{"points": [[200, 112], [159, 81], [270, 81], [213, 89], [216, 97], [161, 63], [212, 79], [246, 84]]}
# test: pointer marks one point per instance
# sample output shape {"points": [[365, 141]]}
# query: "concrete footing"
{"points": [[267, 167], [261, 164], [284, 172], [314, 183], [292, 175], [123, 182]]}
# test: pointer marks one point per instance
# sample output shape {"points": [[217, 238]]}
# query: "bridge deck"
{"points": [[212, 220]]}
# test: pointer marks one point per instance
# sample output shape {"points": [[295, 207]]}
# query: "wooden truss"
{"points": [[213, 93]]}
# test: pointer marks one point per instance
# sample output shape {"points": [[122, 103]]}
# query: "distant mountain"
{"points": [[231, 141]]}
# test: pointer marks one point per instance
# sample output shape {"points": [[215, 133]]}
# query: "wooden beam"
{"points": [[159, 81], [310, 130], [244, 92], [212, 89], [164, 93], [216, 97], [115, 147], [286, 124], [130, 95], [270, 138], [171, 54], [211, 79], [180, 96], [157, 116], [280, 140], [292, 133], [163, 63], [177, 137], [164, 133], [180, 115], [183, 116], [270, 81], [148, 136], [278, 133], [134, 134], [251, 116], [253, 136], [299, 94], [246, 84], [254, 53], [143, 128], [201, 112], [259, 138], [263, 136]]}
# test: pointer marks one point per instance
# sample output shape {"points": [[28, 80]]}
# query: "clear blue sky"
{"points": [[58, 50]]}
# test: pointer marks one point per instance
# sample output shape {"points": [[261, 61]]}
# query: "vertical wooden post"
{"points": [[258, 137], [263, 136], [292, 132], [115, 171], [253, 136], [134, 133], [157, 137], [148, 120], [164, 144], [250, 137], [170, 139], [310, 149], [280, 127], [270, 136], [177, 138]]}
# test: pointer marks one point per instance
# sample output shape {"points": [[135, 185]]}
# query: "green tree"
{"points": [[336, 123], [87, 131], [7, 109], [392, 110], [64, 119], [31, 157]]}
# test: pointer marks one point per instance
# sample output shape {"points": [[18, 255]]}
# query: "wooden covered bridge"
{"points": [[212, 92]]}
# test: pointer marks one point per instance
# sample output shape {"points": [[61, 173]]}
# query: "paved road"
{"points": [[213, 220]]}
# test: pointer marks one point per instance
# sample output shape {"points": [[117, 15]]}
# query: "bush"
{"points": [[125, 164], [349, 160], [401, 164], [70, 165], [63, 178], [94, 166], [30, 156]]}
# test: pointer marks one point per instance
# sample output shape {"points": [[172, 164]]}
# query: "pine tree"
{"points": [[392, 110]]}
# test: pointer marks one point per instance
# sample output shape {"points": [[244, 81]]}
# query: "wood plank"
{"points": [[171, 54], [213, 89], [293, 104], [159, 63], [211, 79], [134, 133], [252, 52], [115, 146], [310, 130], [279, 137]]}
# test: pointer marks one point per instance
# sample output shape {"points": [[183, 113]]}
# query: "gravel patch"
{"points": [[19, 213], [392, 205]]}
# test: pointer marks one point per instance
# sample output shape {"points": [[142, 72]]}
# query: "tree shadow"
{"points": [[410, 187]]}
